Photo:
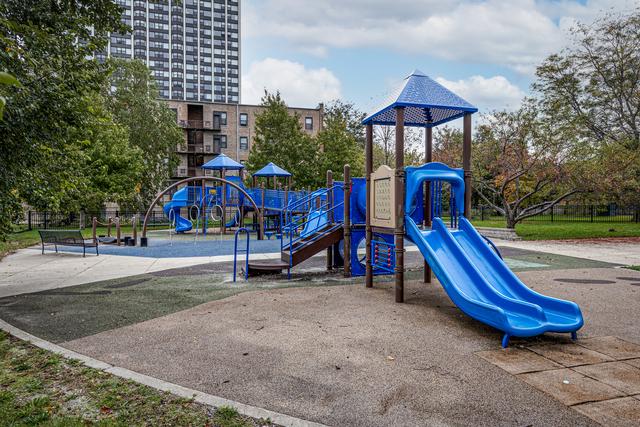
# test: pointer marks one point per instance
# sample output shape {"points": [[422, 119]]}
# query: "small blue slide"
{"points": [[178, 201], [484, 287]]}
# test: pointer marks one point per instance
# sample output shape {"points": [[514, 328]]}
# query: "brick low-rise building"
{"points": [[214, 128]]}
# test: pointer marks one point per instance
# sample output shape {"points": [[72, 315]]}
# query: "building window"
{"points": [[220, 141], [308, 123], [222, 116], [244, 143], [244, 119]]}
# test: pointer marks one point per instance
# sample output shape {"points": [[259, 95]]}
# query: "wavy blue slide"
{"points": [[179, 200], [484, 287]]}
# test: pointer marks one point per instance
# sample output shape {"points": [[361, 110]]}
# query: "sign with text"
{"points": [[382, 197]]}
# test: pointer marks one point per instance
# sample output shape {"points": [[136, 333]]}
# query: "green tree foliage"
{"points": [[151, 125], [594, 87], [45, 45], [280, 139], [68, 143], [523, 164], [6, 79], [339, 140], [447, 146], [347, 112]]}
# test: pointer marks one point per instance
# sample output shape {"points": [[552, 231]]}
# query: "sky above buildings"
{"points": [[358, 50]]}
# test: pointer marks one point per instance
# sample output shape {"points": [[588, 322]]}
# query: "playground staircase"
{"points": [[319, 232], [312, 244]]}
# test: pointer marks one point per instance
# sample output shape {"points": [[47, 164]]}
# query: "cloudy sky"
{"points": [[357, 50]]}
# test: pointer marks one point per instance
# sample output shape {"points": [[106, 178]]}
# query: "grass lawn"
{"points": [[543, 230], [41, 388]]}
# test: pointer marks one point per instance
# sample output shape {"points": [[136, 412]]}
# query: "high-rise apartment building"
{"points": [[191, 46], [193, 50]]}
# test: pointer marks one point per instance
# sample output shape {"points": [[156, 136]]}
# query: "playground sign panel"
{"points": [[383, 197]]}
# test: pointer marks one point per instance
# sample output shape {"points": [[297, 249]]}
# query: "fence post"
{"points": [[46, 220], [118, 230], [134, 226], [29, 220], [552, 208], [482, 212], [81, 220], [591, 213], [94, 226]]}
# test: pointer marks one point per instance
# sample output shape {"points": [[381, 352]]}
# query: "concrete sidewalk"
{"points": [[615, 251], [28, 270]]}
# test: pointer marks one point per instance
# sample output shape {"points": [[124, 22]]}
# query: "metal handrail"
{"points": [[493, 246], [235, 253], [289, 227], [312, 195]]}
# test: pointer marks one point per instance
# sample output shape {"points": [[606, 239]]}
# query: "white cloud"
{"points": [[492, 93], [299, 86], [516, 34]]}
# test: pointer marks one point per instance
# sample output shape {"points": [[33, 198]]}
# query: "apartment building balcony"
{"points": [[181, 172], [198, 149], [200, 124]]}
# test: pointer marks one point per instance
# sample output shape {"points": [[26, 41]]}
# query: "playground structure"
{"points": [[407, 203], [200, 207], [383, 209]]}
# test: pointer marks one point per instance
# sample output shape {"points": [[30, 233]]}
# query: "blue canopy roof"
{"points": [[272, 170], [427, 103], [223, 162]]}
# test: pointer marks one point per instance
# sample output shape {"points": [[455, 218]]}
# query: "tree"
{"points": [[133, 100], [6, 79], [339, 140], [595, 83], [522, 163], [385, 137], [447, 146], [279, 138], [384, 146], [111, 169], [47, 45], [594, 87], [352, 117]]}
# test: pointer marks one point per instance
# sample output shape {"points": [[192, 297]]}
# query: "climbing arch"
{"points": [[204, 178]]}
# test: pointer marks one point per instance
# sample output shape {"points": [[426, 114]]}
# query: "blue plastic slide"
{"points": [[179, 200], [234, 221], [316, 220], [483, 287]]}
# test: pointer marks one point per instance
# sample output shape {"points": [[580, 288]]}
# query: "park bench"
{"points": [[66, 238]]}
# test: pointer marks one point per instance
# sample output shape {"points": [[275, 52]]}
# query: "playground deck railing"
{"points": [[324, 205]]}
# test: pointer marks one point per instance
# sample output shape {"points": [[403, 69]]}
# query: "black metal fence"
{"points": [[589, 213], [45, 220], [571, 213]]}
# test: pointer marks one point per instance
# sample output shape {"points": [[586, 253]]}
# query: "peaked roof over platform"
{"points": [[272, 169], [223, 162], [427, 103]]}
